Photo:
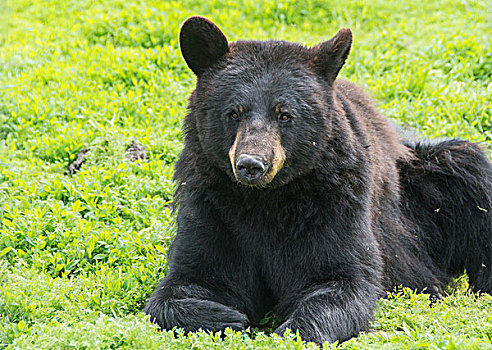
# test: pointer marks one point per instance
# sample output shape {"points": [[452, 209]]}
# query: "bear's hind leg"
{"points": [[447, 192]]}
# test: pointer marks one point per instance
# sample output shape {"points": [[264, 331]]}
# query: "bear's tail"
{"points": [[447, 192]]}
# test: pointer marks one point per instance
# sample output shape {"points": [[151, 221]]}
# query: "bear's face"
{"points": [[262, 109]]}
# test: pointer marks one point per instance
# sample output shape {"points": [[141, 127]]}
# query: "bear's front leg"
{"points": [[204, 287], [332, 311], [189, 307]]}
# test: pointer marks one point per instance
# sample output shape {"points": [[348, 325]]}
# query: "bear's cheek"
{"points": [[215, 139], [302, 153]]}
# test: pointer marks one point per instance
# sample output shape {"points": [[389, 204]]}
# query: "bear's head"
{"points": [[263, 110]]}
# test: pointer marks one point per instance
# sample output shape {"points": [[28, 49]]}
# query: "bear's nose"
{"points": [[250, 167]]}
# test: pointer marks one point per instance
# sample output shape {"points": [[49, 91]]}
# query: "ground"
{"points": [[80, 251]]}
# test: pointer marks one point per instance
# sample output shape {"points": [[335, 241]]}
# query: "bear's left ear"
{"points": [[202, 43], [330, 55]]}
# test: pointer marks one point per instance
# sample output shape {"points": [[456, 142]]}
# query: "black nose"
{"points": [[250, 167]]}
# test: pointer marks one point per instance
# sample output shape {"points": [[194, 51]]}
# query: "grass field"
{"points": [[80, 253]]}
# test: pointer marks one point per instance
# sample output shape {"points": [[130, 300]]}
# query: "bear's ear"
{"points": [[331, 55], [202, 43]]}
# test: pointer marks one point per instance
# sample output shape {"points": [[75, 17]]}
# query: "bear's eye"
{"points": [[234, 116], [285, 117]]}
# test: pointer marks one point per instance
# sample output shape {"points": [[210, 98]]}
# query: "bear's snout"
{"points": [[250, 168]]}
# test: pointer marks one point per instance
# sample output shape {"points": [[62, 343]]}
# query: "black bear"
{"points": [[296, 196]]}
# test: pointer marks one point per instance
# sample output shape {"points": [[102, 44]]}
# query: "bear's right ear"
{"points": [[202, 43]]}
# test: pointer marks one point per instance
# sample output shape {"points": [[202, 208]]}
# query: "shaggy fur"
{"points": [[296, 196]]}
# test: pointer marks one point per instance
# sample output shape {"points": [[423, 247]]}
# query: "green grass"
{"points": [[80, 254]]}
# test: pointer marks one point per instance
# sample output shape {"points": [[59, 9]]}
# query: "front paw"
{"points": [[194, 314], [217, 317]]}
